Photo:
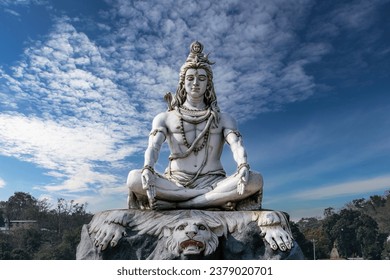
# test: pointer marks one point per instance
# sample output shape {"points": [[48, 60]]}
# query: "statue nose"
{"points": [[195, 81], [191, 234]]}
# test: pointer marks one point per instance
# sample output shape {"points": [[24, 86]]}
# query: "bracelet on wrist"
{"points": [[148, 167], [243, 165]]}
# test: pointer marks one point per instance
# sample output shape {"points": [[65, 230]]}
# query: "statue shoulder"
{"points": [[165, 119], [227, 121], [160, 119]]}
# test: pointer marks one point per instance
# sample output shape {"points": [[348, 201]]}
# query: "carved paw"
{"points": [[277, 237], [108, 234]]}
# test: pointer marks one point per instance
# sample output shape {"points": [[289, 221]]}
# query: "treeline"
{"points": [[360, 230], [50, 232]]}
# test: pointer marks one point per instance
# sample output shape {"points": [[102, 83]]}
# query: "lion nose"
{"points": [[191, 234]]}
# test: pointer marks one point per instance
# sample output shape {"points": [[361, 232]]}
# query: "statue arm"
{"points": [[156, 138], [234, 139]]}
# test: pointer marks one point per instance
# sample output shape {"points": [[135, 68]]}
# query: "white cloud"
{"points": [[356, 15], [2, 183], [22, 2], [72, 153], [73, 118], [349, 188], [12, 12], [297, 213]]}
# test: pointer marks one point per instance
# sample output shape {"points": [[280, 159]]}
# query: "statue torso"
{"points": [[181, 134]]}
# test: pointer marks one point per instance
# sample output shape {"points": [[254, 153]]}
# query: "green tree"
{"points": [[2, 215], [5, 247], [58, 232], [66, 250], [329, 211], [355, 234], [21, 206], [300, 238], [20, 254], [386, 250], [371, 240], [316, 238]]}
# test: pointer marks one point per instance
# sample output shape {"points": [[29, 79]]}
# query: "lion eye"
{"points": [[181, 227], [202, 227]]}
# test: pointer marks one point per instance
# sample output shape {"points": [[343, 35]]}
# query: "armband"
{"points": [[236, 132], [148, 167], [157, 130], [243, 165]]}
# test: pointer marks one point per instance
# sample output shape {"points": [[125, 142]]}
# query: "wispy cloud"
{"points": [[74, 117], [9, 6], [298, 213], [351, 29], [2, 183], [22, 2], [358, 187], [70, 154], [356, 15], [322, 142], [353, 16], [12, 12]]}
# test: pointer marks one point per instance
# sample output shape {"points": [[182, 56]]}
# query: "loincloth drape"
{"points": [[209, 179]]}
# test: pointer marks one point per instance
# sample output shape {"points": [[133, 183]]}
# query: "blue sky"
{"points": [[308, 82]]}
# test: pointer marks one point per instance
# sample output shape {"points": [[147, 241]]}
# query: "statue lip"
{"points": [[192, 243]]}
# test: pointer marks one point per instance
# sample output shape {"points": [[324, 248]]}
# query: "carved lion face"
{"points": [[191, 236]]}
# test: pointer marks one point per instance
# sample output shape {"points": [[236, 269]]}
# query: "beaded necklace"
{"points": [[193, 112], [194, 116], [188, 145]]}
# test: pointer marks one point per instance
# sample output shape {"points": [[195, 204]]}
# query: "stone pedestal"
{"points": [[188, 234]]}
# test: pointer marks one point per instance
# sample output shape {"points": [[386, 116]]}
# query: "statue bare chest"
{"points": [[181, 131]]}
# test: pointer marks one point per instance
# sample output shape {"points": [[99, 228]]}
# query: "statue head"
{"points": [[197, 60]]}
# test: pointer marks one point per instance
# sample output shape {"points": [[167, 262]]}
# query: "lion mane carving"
{"points": [[192, 236]]}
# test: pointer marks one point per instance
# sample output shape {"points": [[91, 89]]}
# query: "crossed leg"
{"points": [[225, 193], [167, 192], [171, 196]]}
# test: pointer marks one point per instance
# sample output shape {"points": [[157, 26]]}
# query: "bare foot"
{"points": [[132, 201], [162, 205], [229, 206]]}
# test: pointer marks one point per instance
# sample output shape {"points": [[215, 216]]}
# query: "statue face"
{"points": [[196, 82], [196, 48]]}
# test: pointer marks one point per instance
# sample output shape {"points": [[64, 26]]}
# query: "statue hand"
{"points": [[243, 177], [148, 184]]}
